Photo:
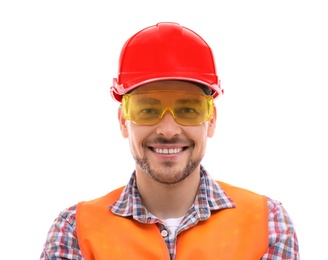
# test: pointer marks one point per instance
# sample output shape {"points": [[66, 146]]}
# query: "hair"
{"points": [[206, 89]]}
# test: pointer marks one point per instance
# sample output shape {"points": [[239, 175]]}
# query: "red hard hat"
{"points": [[166, 51]]}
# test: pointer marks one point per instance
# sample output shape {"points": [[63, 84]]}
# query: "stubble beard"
{"points": [[167, 174]]}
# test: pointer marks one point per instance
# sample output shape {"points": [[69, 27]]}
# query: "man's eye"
{"points": [[187, 110], [149, 111]]}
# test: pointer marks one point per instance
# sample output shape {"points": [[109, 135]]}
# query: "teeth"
{"points": [[168, 151]]}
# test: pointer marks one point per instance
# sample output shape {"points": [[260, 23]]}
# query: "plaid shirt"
{"points": [[62, 242]]}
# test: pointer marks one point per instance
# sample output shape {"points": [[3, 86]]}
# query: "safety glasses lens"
{"points": [[148, 108]]}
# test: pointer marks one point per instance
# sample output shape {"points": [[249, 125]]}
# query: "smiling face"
{"points": [[167, 152]]}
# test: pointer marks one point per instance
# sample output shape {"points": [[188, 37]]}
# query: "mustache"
{"points": [[163, 140]]}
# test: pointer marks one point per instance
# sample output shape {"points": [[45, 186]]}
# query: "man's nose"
{"points": [[167, 126]]}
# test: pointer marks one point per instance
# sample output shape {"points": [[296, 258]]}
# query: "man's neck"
{"points": [[168, 200]]}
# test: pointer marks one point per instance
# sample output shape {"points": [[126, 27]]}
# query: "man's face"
{"points": [[167, 151]]}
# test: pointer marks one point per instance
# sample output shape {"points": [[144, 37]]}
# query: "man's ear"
{"points": [[212, 124], [122, 122]]}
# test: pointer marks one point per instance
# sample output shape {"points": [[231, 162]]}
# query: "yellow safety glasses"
{"points": [[148, 108]]}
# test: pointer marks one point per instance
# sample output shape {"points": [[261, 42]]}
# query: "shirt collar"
{"points": [[210, 196]]}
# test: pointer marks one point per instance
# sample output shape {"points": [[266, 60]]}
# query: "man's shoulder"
{"points": [[106, 199], [236, 192]]}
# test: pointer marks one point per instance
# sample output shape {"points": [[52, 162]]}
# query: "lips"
{"points": [[168, 147]]}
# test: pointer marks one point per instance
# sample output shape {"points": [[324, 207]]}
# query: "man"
{"points": [[171, 208]]}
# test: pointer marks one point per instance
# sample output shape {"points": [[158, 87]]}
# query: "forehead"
{"points": [[170, 85]]}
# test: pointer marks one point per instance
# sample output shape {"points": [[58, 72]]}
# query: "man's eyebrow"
{"points": [[187, 101], [149, 100]]}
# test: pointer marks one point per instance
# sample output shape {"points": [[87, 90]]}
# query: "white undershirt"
{"points": [[172, 224]]}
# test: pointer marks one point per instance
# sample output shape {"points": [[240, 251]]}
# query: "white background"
{"points": [[59, 137]]}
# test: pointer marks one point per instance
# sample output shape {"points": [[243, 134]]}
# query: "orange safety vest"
{"points": [[239, 233]]}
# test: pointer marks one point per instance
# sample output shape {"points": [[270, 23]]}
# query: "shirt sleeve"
{"points": [[61, 242], [283, 243]]}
